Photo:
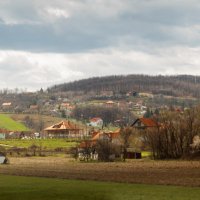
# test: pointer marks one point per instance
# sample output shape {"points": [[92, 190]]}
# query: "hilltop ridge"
{"points": [[176, 85]]}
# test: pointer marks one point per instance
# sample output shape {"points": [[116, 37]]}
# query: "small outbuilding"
{"points": [[3, 159]]}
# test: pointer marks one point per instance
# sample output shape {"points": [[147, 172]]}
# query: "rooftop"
{"points": [[63, 125]]}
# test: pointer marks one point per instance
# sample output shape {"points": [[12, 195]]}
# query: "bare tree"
{"points": [[174, 136], [125, 134], [107, 151]]}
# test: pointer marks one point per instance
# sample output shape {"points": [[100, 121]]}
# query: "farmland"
{"points": [[7, 123], [47, 120], [182, 173], [45, 143], [46, 188], [43, 188]]}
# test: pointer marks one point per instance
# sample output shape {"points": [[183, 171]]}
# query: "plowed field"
{"points": [[185, 173]]}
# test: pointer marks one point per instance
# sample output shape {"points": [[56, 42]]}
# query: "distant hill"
{"points": [[180, 85]]}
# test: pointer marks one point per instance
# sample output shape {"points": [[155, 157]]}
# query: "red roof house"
{"points": [[144, 123], [96, 122], [64, 129]]}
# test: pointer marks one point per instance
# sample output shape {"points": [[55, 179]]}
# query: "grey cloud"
{"points": [[17, 70], [36, 70], [96, 24], [54, 41]]}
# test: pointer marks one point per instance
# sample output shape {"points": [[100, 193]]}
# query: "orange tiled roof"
{"points": [[4, 131], [63, 125], [148, 122], [95, 119], [86, 144], [33, 106], [96, 136], [115, 134], [110, 134]]}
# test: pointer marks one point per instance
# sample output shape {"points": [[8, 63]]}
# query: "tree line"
{"points": [[108, 114], [180, 85]]}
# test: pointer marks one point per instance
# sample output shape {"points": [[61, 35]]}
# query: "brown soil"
{"points": [[186, 173]]}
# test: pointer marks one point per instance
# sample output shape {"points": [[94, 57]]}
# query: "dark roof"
{"points": [[148, 122]]}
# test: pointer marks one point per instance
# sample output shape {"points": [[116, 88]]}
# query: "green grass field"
{"points": [[48, 143], [9, 124], [31, 188]]}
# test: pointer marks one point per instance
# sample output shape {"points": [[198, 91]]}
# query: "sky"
{"points": [[47, 42]]}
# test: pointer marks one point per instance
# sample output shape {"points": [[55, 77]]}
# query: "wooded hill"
{"points": [[180, 85]]}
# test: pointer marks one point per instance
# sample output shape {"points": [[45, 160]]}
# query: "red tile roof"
{"points": [[110, 134], [98, 135], [86, 144], [63, 125], [115, 134], [95, 119], [148, 122]]}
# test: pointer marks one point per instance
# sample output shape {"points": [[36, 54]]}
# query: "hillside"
{"points": [[180, 85], [9, 124]]}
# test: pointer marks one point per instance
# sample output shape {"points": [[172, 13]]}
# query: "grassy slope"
{"points": [[47, 120], [7, 123], [22, 188]]}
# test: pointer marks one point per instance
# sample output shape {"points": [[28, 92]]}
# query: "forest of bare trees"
{"points": [[180, 85], [108, 114]]}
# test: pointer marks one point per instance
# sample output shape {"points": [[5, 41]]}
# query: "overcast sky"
{"points": [[46, 42]]}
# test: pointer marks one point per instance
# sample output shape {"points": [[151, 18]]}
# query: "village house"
{"points": [[65, 129], [8, 134], [110, 103], [7, 106], [3, 133], [113, 137], [96, 122], [103, 135], [67, 107], [34, 109], [143, 123]]}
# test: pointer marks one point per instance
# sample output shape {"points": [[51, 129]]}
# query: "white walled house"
{"points": [[96, 122]]}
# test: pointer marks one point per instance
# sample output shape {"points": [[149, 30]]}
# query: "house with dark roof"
{"points": [[143, 123], [64, 129]]}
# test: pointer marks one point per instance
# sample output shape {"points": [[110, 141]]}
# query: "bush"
{"points": [[107, 151]]}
